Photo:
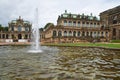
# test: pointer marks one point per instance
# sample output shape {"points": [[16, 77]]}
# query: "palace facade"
{"points": [[18, 31], [70, 28], [75, 28], [83, 28]]}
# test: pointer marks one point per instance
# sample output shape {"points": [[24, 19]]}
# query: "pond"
{"points": [[59, 63]]}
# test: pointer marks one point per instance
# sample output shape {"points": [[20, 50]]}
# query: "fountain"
{"points": [[35, 36], [57, 63]]}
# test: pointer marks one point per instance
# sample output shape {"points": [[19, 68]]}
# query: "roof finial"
{"points": [[65, 11], [90, 14], [19, 17]]}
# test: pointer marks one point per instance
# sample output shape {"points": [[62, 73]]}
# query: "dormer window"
{"points": [[74, 16], [65, 15]]}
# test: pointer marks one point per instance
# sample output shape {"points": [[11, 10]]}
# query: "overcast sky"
{"points": [[50, 9]]}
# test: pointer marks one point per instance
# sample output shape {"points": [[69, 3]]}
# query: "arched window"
{"points": [[102, 34], [74, 23], [19, 28], [74, 33], [98, 24], [83, 33], [87, 33], [65, 22], [91, 24], [98, 34], [95, 34], [65, 33], [59, 33], [70, 23], [87, 24], [83, 24], [54, 33], [106, 34], [78, 33], [70, 33], [78, 24], [91, 34]]}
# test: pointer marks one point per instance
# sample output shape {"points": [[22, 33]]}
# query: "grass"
{"points": [[106, 45]]}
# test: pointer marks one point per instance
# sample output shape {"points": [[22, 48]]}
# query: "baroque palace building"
{"points": [[69, 28], [83, 28], [75, 28], [18, 31]]}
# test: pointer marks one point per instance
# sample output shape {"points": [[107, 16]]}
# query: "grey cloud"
{"points": [[50, 9]]}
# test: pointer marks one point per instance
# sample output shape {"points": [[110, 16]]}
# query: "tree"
{"points": [[2, 28], [5, 28], [48, 25]]}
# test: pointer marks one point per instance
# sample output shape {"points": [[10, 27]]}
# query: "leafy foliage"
{"points": [[3, 28], [48, 25]]}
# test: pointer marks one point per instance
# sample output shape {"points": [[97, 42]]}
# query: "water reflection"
{"points": [[62, 63]]}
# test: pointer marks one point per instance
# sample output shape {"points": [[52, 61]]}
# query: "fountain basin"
{"points": [[60, 63]]}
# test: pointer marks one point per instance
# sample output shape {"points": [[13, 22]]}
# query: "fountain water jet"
{"points": [[36, 36]]}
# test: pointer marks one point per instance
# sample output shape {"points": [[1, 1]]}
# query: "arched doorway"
{"points": [[19, 36]]}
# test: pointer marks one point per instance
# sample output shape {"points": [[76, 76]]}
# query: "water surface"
{"points": [[59, 63]]}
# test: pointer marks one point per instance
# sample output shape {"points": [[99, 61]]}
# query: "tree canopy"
{"points": [[48, 25], [2, 28]]}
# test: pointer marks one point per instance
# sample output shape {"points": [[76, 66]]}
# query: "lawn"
{"points": [[106, 45]]}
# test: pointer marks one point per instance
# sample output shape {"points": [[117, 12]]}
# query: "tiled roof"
{"points": [[15, 21], [78, 16]]}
